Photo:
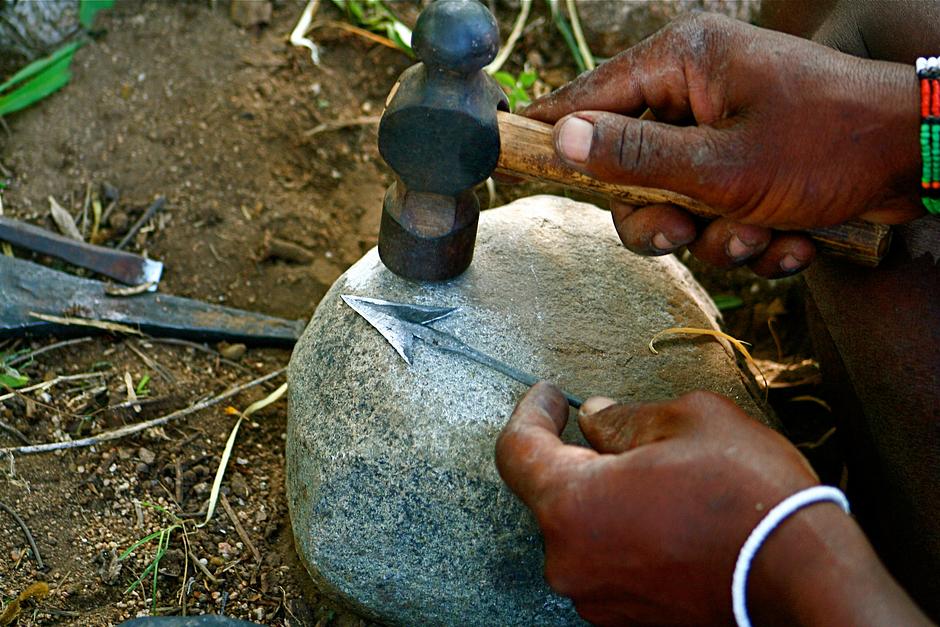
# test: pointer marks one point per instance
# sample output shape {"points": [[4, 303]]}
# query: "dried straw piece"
{"points": [[735, 342]]}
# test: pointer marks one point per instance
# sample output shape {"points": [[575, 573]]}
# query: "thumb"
{"points": [[698, 161], [620, 428], [530, 456]]}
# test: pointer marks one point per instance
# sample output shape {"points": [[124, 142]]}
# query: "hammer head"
{"points": [[440, 136]]}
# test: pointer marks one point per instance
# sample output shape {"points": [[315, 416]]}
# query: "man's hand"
{"points": [[645, 527], [774, 131]]}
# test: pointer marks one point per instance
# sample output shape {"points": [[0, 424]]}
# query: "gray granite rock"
{"points": [[32, 29], [396, 505], [614, 25]]}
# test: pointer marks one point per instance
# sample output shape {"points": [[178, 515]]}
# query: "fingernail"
{"points": [[574, 139], [737, 249], [595, 404], [790, 263], [663, 243]]}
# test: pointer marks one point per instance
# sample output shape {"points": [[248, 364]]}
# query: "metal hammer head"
{"points": [[440, 136]]}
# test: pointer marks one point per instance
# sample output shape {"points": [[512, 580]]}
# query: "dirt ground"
{"points": [[175, 100]]}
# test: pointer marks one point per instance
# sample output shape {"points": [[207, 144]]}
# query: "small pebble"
{"points": [[232, 351], [146, 455]]}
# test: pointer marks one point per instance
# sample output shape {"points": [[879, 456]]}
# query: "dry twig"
{"points": [[199, 347], [385, 41], [51, 382], [151, 211], [16, 433], [341, 124], [127, 430], [45, 349], [133, 290], [202, 567], [26, 532], [497, 63], [579, 35], [164, 373], [238, 527], [808, 446]]}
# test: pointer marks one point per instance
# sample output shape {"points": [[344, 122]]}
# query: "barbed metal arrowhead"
{"points": [[394, 320]]}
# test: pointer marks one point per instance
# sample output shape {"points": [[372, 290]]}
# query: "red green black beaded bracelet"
{"points": [[928, 72]]}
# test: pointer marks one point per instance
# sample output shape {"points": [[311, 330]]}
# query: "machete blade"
{"points": [[27, 288]]}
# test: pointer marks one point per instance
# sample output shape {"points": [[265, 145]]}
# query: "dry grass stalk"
{"points": [[131, 429], [104, 325], [230, 444]]}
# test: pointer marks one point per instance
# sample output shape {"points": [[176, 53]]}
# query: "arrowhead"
{"points": [[393, 320]]}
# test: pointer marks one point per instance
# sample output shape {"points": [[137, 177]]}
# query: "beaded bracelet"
{"points": [[928, 72]]}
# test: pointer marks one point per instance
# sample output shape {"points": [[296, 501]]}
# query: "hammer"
{"points": [[447, 127]]}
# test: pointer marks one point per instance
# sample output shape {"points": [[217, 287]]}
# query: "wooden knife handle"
{"points": [[528, 151]]}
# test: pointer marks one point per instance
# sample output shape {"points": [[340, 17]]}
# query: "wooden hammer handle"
{"points": [[528, 151]]}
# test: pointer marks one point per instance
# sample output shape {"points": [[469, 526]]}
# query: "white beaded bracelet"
{"points": [[770, 522]]}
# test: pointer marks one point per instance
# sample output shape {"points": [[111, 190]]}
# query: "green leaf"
{"points": [[10, 378], [48, 81], [356, 9], [374, 15], [88, 9], [395, 34], [142, 385], [39, 65], [351, 8], [505, 79], [527, 79], [725, 302], [402, 35]]}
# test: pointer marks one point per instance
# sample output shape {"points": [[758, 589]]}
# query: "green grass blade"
{"points": [[39, 65], [161, 551], [725, 302], [51, 79], [140, 579], [158, 508], [562, 25], [143, 540], [88, 9]]}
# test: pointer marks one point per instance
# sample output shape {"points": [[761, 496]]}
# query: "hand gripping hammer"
{"points": [[446, 128]]}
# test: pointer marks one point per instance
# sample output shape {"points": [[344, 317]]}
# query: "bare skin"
{"points": [[644, 528], [766, 127], [780, 134]]}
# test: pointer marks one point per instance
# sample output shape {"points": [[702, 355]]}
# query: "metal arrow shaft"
{"points": [[401, 324], [451, 344]]}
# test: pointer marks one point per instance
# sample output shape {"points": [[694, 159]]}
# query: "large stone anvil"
{"points": [[396, 505]]}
